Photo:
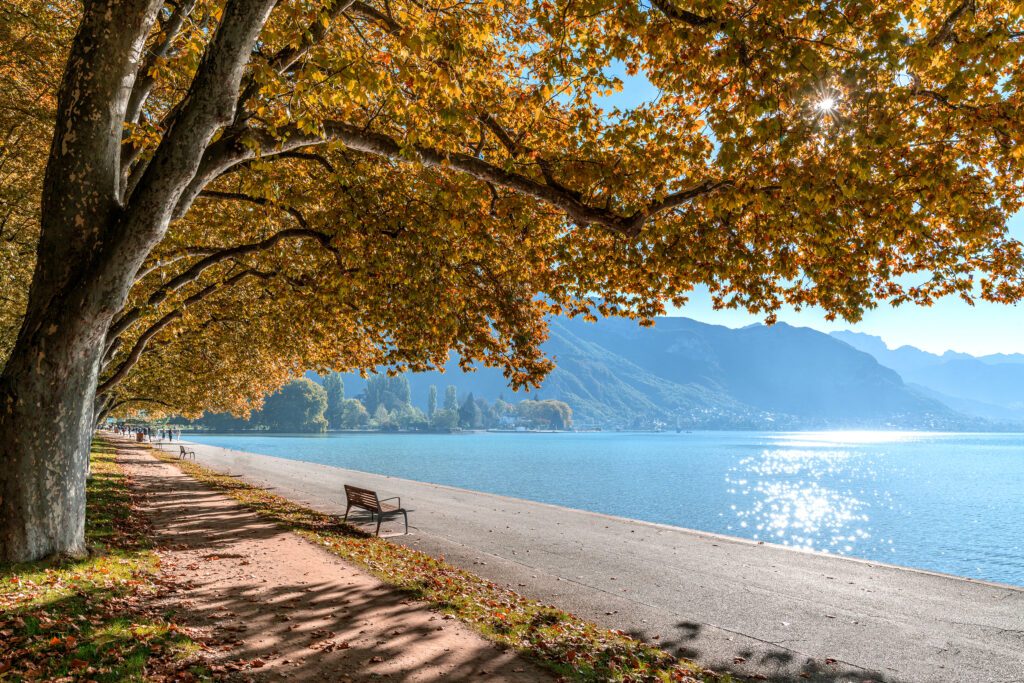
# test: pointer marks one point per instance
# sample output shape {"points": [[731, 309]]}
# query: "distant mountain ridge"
{"points": [[990, 387], [616, 374]]}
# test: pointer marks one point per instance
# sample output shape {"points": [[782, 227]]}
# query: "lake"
{"points": [[952, 503]]}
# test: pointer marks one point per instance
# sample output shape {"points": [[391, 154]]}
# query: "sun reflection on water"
{"points": [[798, 497], [840, 438]]}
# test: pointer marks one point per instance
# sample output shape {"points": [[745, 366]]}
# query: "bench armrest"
{"points": [[393, 498]]}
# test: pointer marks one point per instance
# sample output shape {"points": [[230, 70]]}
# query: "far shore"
{"points": [[693, 430]]}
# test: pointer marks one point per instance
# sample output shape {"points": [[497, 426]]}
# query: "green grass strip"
{"points": [[87, 619]]}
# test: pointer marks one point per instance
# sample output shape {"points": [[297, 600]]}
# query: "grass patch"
{"points": [[568, 645], [63, 620]]}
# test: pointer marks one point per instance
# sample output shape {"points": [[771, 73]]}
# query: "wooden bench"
{"points": [[366, 499], [186, 453]]}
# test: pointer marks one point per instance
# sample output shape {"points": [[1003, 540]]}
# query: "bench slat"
{"points": [[363, 498]]}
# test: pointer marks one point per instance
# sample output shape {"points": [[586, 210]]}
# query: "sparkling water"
{"points": [[952, 503]]}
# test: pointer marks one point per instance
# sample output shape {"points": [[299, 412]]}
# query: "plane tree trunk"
{"points": [[46, 421], [93, 239]]}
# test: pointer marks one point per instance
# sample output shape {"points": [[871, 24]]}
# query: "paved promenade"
{"points": [[727, 603]]}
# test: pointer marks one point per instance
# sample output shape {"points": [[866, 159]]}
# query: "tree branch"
{"points": [[192, 273], [138, 399], [145, 80], [316, 32], [229, 152], [562, 198], [368, 12], [208, 107], [140, 344], [309, 156], [686, 16], [261, 201], [946, 29]]}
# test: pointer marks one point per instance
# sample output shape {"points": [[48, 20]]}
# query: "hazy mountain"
{"points": [[617, 374], [988, 386]]}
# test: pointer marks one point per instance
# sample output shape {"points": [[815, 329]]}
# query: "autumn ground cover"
{"points": [[95, 618], [568, 645]]}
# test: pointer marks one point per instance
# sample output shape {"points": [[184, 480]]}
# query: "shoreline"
{"points": [[925, 558], [634, 520], [673, 431], [711, 598]]}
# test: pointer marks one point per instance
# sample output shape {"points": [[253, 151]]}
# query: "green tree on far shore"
{"points": [[431, 402], [469, 413], [546, 414], [391, 392], [451, 398], [334, 385], [383, 420], [224, 422], [445, 420], [354, 414], [298, 407]]}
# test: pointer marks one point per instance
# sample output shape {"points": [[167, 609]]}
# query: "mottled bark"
{"points": [[47, 385], [91, 246], [45, 427]]}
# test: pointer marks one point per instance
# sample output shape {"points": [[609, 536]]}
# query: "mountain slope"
{"points": [[617, 374], [991, 387]]}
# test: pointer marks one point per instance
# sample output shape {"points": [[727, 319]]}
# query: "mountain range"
{"points": [[687, 374], [990, 387]]}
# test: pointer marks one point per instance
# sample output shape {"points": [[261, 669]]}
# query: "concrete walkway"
{"points": [[727, 603]]}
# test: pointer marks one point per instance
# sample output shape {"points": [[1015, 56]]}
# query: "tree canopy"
{"points": [[399, 180]]}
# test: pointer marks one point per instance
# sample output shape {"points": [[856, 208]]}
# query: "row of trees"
{"points": [[386, 405], [217, 194]]}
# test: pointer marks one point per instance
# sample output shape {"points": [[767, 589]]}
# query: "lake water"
{"points": [[947, 502]]}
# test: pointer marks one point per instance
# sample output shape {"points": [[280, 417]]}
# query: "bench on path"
{"points": [[186, 453], [366, 499]]}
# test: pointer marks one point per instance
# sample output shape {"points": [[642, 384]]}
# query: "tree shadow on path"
{"points": [[277, 606]]}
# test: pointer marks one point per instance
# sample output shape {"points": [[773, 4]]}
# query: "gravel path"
{"points": [[287, 609]]}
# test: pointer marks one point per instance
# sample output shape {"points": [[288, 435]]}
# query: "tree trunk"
{"points": [[46, 423], [48, 384], [92, 242]]}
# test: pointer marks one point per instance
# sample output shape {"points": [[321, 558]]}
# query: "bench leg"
{"points": [[406, 518], [345, 518], [380, 518]]}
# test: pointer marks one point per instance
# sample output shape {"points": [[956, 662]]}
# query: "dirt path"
{"points": [[285, 609]]}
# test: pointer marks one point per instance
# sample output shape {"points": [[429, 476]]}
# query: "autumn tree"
{"points": [[235, 191]]}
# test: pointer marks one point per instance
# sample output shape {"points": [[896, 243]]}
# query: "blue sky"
{"points": [[950, 324]]}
